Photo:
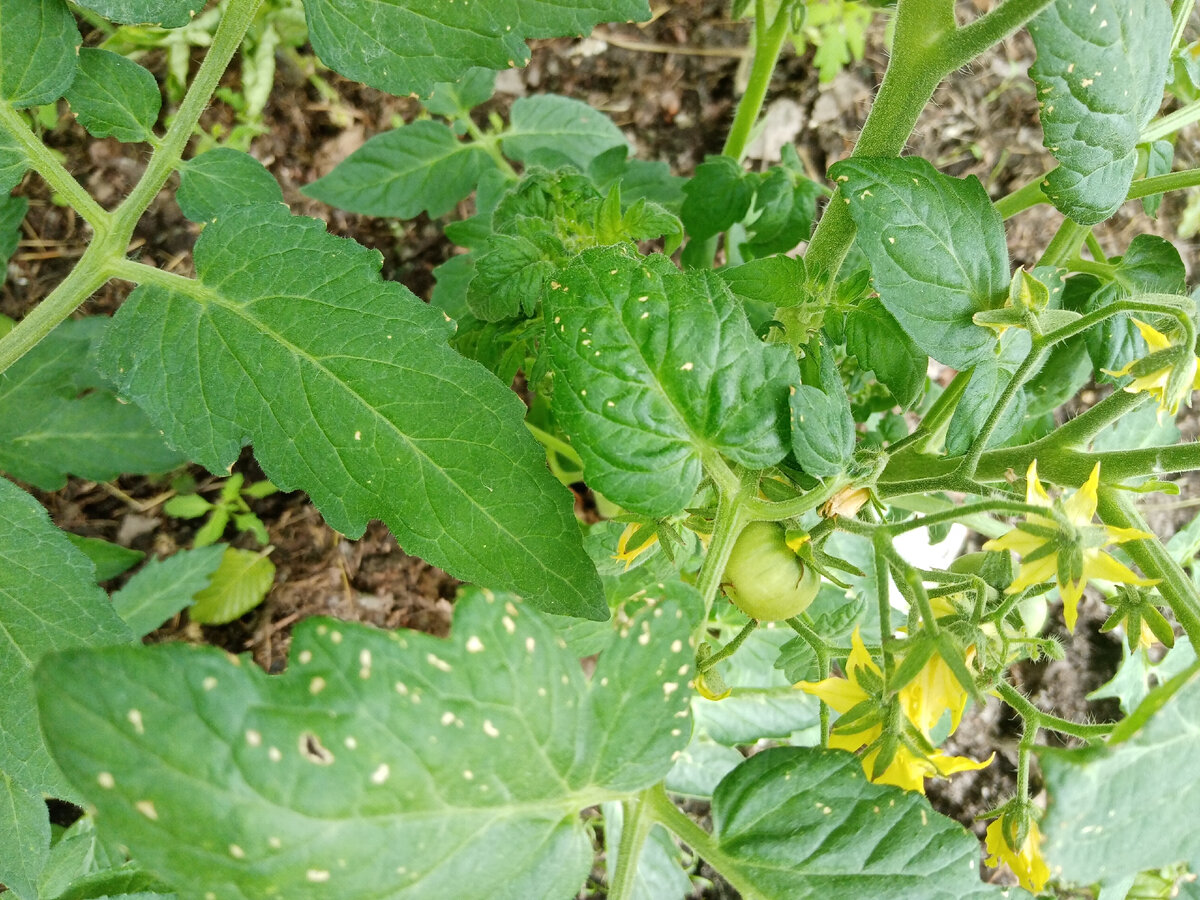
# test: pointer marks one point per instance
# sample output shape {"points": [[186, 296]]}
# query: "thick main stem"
{"points": [[766, 54]]}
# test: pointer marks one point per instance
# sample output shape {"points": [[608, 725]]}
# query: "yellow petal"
{"points": [[1026, 863], [852, 742], [1016, 540], [906, 770], [859, 657], [1098, 564], [931, 693], [1035, 494], [948, 765], [1039, 570], [1154, 338], [1081, 505], [1071, 593], [1121, 535], [839, 693]]}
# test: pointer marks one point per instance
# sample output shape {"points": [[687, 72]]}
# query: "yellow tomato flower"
{"points": [[1026, 861], [1068, 555], [922, 700], [624, 554], [1161, 374]]}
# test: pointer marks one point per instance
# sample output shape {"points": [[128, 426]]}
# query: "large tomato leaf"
{"points": [[381, 764], [937, 251], [653, 368], [348, 390], [405, 46], [1100, 71]]}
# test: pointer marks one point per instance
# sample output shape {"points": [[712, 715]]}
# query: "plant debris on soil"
{"points": [[671, 85]]}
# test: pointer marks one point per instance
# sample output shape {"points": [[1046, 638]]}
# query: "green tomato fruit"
{"points": [[764, 578]]}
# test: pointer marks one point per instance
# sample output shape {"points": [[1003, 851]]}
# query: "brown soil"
{"points": [[671, 85]]}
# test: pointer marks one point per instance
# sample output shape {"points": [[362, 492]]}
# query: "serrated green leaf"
{"points": [[112, 96], [110, 560], [785, 207], [164, 587], [165, 13], [1150, 265], [822, 430], [1100, 71], [58, 417], [239, 584], [717, 196], [640, 179], [547, 123], [48, 601], [1097, 800], [773, 281], [422, 167], [937, 251], [24, 836], [382, 764], [1137, 675], [405, 47], [510, 273], [801, 823], [454, 99], [187, 506], [223, 179], [875, 337], [370, 411], [989, 378], [654, 367], [12, 213], [13, 162], [38, 43]]}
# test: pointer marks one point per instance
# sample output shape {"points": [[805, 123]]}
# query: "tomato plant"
{"points": [[736, 365]]}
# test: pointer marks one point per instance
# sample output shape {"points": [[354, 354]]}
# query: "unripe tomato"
{"points": [[764, 578]]}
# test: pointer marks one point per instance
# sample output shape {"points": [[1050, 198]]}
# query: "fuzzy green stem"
{"points": [[52, 171], [970, 462], [882, 543], [238, 16], [705, 845], [1023, 198], [1035, 718], [636, 823], [821, 650], [1117, 509], [729, 649], [114, 230], [1181, 12], [768, 45], [731, 519], [1065, 243], [927, 47]]}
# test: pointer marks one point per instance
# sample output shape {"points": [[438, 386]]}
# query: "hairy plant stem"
{"points": [[704, 844], [881, 544], [1117, 508], [636, 823], [927, 47], [729, 649], [821, 650], [114, 230], [768, 45], [730, 520], [44, 162], [1035, 718]]}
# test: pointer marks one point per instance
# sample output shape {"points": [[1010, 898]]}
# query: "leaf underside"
{"points": [[405, 46], [381, 764], [1100, 71], [346, 387]]}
